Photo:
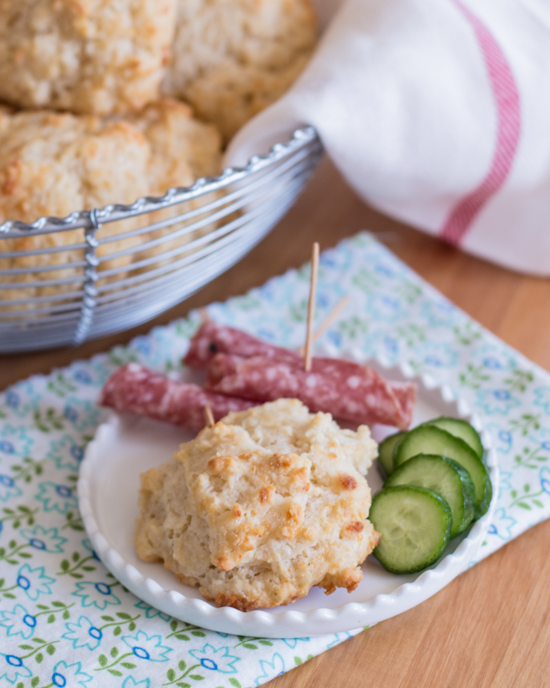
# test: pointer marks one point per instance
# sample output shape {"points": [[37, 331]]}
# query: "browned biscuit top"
{"points": [[258, 509]]}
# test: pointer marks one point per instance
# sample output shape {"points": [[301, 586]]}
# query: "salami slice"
{"points": [[362, 399], [212, 338], [135, 389]]}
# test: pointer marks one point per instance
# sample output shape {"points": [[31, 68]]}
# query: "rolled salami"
{"points": [[211, 339], [365, 398], [135, 389]]}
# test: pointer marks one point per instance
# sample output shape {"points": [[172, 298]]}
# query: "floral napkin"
{"points": [[65, 621]]}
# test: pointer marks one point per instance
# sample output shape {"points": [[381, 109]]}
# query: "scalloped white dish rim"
{"points": [[288, 622]]}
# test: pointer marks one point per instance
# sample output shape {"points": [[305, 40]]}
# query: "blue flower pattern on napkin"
{"points": [[18, 622], [65, 621], [216, 659], [83, 633]]}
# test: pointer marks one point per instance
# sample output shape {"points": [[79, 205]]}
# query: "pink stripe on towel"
{"points": [[508, 131]]}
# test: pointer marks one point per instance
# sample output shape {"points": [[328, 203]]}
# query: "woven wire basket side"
{"points": [[102, 271]]}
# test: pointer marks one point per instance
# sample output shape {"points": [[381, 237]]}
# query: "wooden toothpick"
{"points": [[203, 316], [327, 322], [209, 416], [311, 306]]}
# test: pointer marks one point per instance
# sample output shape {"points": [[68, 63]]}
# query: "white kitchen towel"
{"points": [[436, 112]]}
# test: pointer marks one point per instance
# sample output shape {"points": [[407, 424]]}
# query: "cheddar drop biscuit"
{"points": [[232, 58], [261, 507], [87, 56]]}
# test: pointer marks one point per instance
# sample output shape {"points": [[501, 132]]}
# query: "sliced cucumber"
{"points": [[429, 439], [385, 452], [414, 526], [461, 429], [444, 476]]}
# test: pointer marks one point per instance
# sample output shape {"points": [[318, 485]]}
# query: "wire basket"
{"points": [[124, 264]]}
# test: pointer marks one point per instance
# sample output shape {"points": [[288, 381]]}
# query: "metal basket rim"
{"points": [[146, 204]]}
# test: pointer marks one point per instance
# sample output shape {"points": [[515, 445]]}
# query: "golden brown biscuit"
{"points": [[182, 150], [232, 58], [258, 509], [87, 56], [53, 164]]}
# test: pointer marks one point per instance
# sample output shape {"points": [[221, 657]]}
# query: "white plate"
{"points": [[108, 488]]}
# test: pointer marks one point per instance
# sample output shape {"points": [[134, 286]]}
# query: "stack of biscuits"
{"points": [[105, 101]]}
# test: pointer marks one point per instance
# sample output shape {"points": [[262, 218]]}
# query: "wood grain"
{"points": [[491, 626]]}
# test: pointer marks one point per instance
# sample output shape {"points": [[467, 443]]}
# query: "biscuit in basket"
{"points": [[261, 507], [87, 56], [232, 58], [54, 164], [182, 150]]}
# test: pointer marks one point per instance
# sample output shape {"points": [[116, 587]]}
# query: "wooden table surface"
{"points": [[490, 627]]}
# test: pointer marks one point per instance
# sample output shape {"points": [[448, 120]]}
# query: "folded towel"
{"points": [[435, 111]]}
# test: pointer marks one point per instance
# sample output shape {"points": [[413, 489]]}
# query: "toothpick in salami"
{"points": [[208, 416], [212, 338], [135, 389], [311, 306]]}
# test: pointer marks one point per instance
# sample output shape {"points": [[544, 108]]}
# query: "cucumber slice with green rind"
{"points": [[385, 452], [414, 526], [444, 476], [429, 439], [461, 429]]}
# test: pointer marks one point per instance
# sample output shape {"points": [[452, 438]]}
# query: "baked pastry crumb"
{"points": [[87, 56], [261, 507], [233, 58]]}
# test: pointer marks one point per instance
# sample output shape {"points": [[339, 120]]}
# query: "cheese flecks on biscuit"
{"points": [[233, 58], [87, 56], [261, 507]]}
